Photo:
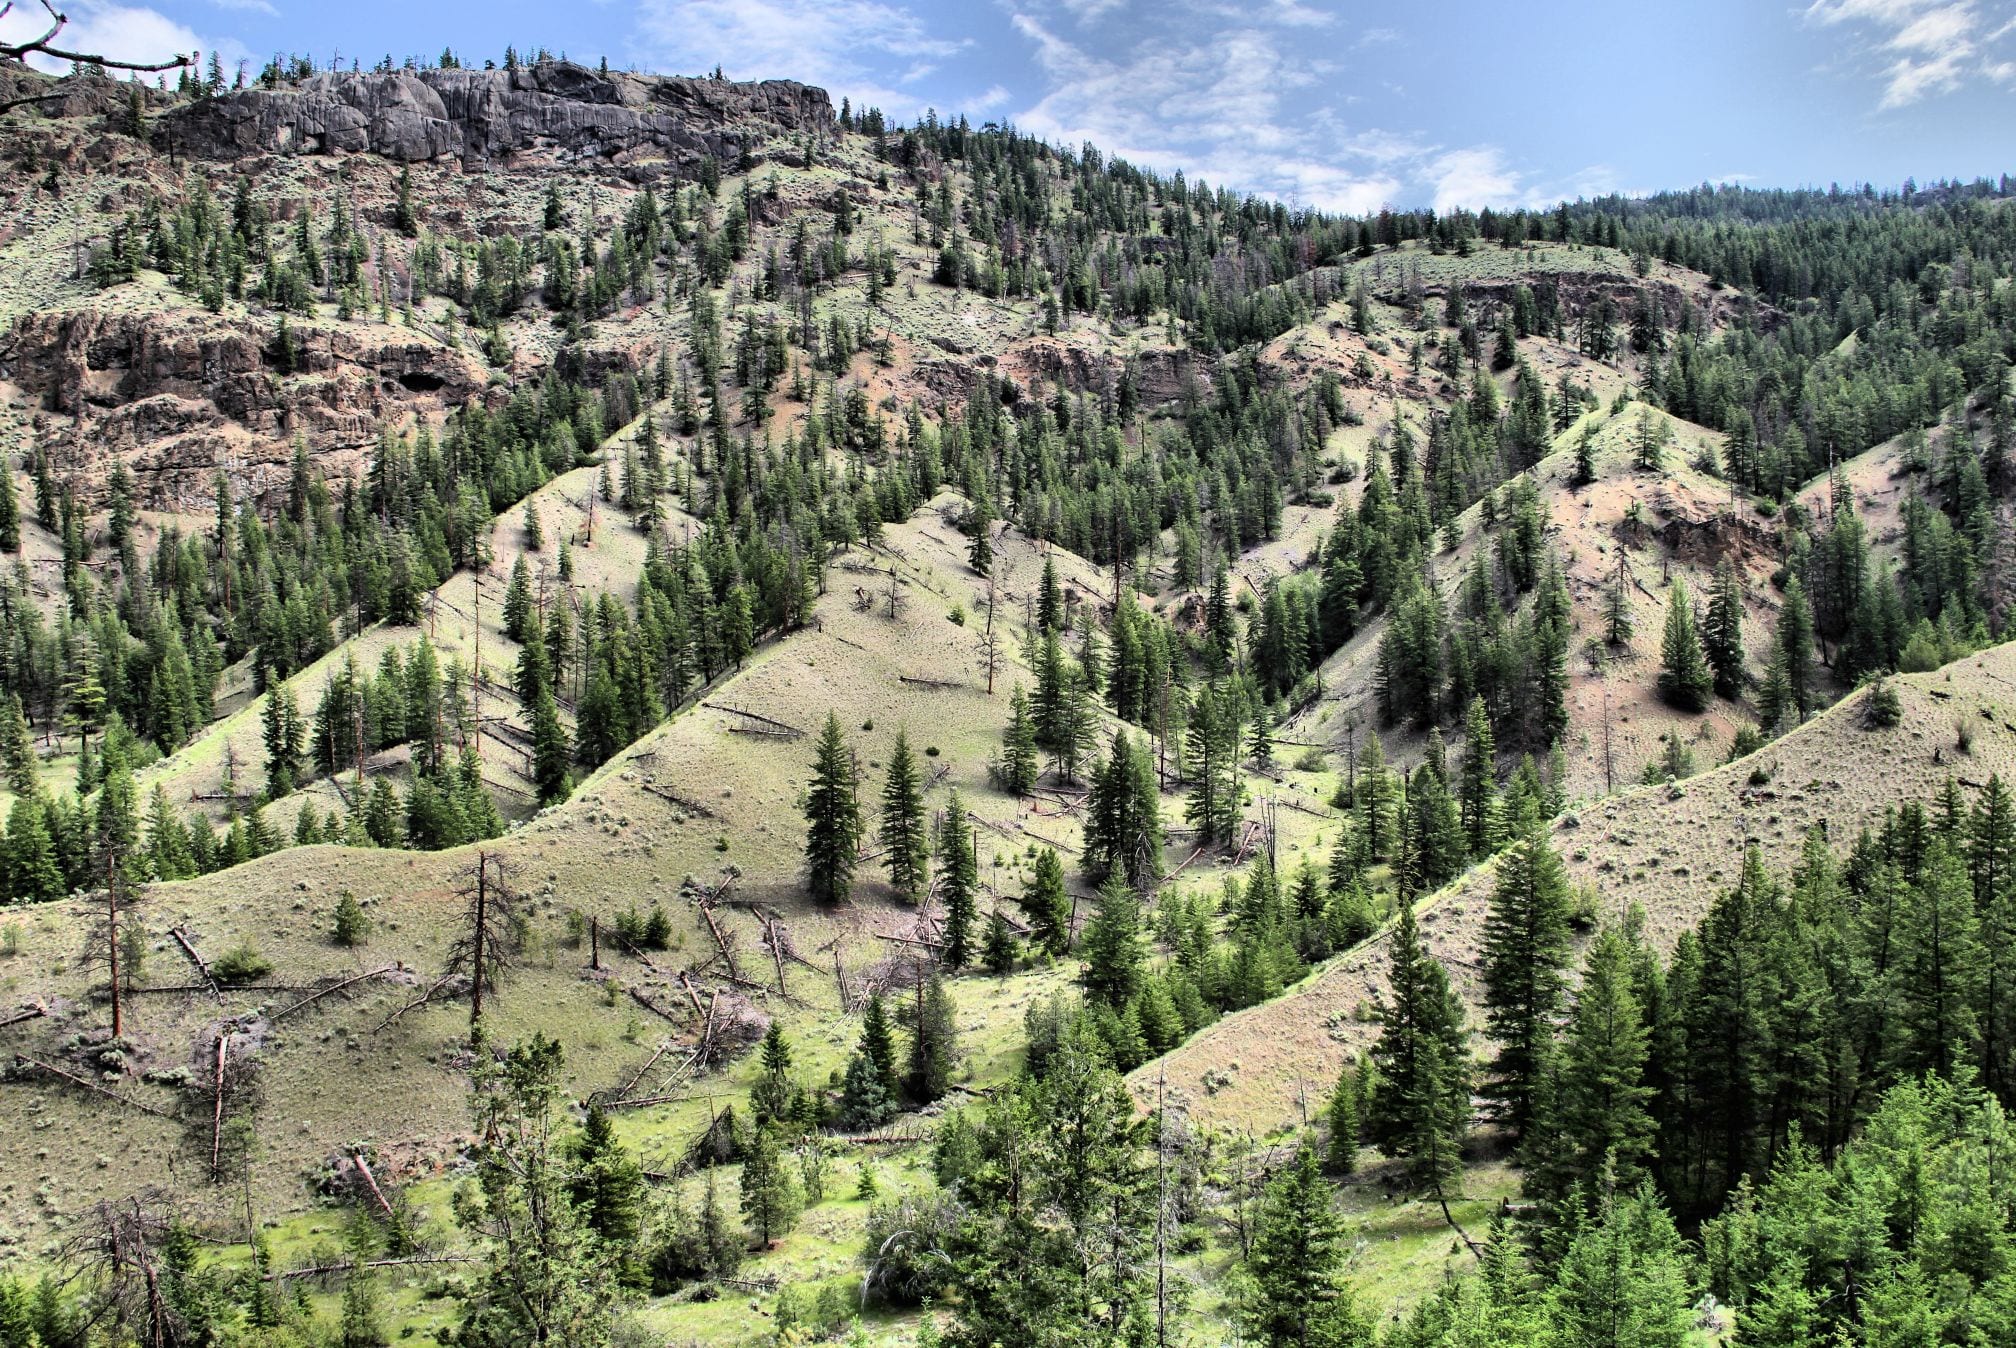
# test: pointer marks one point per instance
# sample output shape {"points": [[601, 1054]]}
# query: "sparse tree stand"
{"points": [[832, 819]]}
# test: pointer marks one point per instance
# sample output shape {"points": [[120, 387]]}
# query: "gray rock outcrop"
{"points": [[479, 116]]}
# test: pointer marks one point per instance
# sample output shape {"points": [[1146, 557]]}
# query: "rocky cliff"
{"points": [[178, 396], [485, 116]]}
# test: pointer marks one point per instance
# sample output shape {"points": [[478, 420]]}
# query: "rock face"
{"points": [[178, 396], [479, 116]]}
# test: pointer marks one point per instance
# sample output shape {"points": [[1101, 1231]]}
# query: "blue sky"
{"points": [[1333, 103]]}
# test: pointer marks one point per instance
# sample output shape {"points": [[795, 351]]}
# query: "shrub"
{"points": [[241, 964], [1882, 709]]}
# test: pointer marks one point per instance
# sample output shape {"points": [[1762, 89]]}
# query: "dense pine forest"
{"points": [[1777, 1119]]}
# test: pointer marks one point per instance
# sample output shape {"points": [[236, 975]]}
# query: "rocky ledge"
{"points": [[481, 116]]}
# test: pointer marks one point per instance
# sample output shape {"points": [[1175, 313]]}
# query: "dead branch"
{"points": [[32, 1013], [370, 1181], [690, 806], [323, 1270], [413, 1005], [40, 46]]}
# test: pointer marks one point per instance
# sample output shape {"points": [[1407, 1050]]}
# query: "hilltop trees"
{"points": [[832, 819]]}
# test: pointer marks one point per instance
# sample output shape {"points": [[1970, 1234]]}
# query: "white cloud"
{"points": [[1473, 178], [1923, 48], [845, 46], [117, 32], [249, 6]]}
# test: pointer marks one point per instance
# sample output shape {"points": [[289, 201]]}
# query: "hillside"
{"points": [[438, 481]]}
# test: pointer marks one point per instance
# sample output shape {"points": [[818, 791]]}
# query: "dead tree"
{"points": [[44, 46], [102, 942], [894, 594], [490, 937], [117, 1255], [990, 644]]}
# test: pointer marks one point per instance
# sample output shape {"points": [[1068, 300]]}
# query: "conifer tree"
{"points": [[1420, 1107], [1524, 948], [770, 1197], [550, 753], [1795, 646], [878, 1044], [1112, 945], [1939, 974], [518, 600], [1617, 624], [1623, 1280], [959, 876], [1722, 632], [1597, 1101], [1343, 1117], [934, 1047], [832, 819], [1684, 677], [1123, 830], [17, 748], [906, 844], [280, 718], [10, 508], [997, 948], [1049, 598], [1298, 1299], [1046, 905], [1479, 790], [1019, 769]]}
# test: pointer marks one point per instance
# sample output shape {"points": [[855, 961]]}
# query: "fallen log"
{"points": [[334, 987], [197, 960], [32, 1013], [371, 1181], [324, 1270], [691, 806], [145, 1108]]}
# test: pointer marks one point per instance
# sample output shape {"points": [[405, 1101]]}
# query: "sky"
{"points": [[1337, 104]]}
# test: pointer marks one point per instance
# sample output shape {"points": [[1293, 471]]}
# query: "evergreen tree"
{"points": [[1298, 1299], [832, 819], [1420, 1106], [1623, 1281], [1123, 830], [17, 749], [1684, 677], [997, 948], [1795, 646], [1938, 976], [608, 1186], [906, 846], [959, 888], [1019, 769], [1112, 945], [1526, 942], [1344, 1117], [10, 508], [550, 753], [1049, 598], [1046, 905], [934, 1048], [770, 1198], [878, 1044], [1617, 624], [1722, 633], [1479, 793], [1597, 1102]]}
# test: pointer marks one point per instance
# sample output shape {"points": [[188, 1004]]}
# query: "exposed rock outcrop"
{"points": [[178, 395], [481, 116]]}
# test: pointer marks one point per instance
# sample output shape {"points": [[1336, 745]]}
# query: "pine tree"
{"points": [[1597, 1101], [280, 718], [906, 846], [1049, 598], [10, 508], [608, 1186], [959, 888], [770, 1197], [1479, 789], [934, 1048], [1123, 831], [518, 600], [550, 752], [878, 1044], [1722, 633], [1298, 1299], [1420, 1107], [1938, 975], [1685, 680], [1795, 646], [1046, 905], [832, 819], [1525, 945], [1019, 769], [1344, 1120], [997, 948], [1623, 1280], [1112, 945], [17, 748]]}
